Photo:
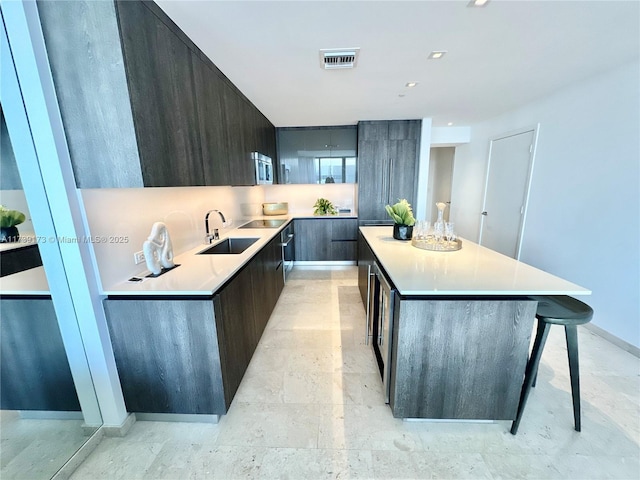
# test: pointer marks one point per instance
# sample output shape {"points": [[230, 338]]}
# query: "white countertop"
{"points": [[200, 274], [27, 282], [473, 270]]}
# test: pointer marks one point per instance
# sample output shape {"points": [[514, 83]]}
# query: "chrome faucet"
{"points": [[210, 237]]}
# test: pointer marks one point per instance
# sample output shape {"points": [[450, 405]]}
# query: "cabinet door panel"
{"points": [[313, 240], [403, 156], [240, 166], [167, 355], [235, 316], [211, 120], [372, 170], [161, 88], [344, 237]]}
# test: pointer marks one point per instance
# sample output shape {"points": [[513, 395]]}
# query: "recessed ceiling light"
{"points": [[477, 3], [450, 123], [412, 84], [436, 54]]}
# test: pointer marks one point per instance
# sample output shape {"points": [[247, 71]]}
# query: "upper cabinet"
{"points": [[317, 154], [163, 100], [142, 105], [387, 165]]}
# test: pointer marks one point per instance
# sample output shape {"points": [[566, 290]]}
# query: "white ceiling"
{"points": [[499, 57]]}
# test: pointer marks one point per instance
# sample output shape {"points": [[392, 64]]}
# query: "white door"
{"points": [[506, 192]]}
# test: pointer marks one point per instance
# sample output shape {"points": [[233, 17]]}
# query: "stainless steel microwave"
{"points": [[264, 169]]}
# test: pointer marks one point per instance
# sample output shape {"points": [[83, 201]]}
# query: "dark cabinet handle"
{"points": [[484, 213]]}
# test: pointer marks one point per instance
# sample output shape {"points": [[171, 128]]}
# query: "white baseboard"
{"points": [[618, 342]]}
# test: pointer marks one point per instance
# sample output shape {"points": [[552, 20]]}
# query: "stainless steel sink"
{"points": [[229, 246]]}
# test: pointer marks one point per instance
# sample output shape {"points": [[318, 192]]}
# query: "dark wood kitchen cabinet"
{"points": [[167, 355], [142, 105], [366, 259], [209, 88], [235, 315], [188, 355], [163, 101], [326, 239], [387, 165]]}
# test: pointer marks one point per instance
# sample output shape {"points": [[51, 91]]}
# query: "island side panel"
{"points": [[459, 359], [167, 355]]}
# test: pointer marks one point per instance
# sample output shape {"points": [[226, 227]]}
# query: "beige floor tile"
{"points": [[532, 467], [294, 464], [363, 427], [118, 458], [272, 425], [418, 465], [261, 387]]}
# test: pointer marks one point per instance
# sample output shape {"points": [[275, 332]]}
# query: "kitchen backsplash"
{"points": [[302, 197], [129, 213]]}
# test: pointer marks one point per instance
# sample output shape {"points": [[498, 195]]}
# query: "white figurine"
{"points": [[158, 251]]}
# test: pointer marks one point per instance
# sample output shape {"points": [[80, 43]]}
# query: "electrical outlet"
{"points": [[138, 257]]}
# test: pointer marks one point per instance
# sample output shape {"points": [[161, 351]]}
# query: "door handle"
{"points": [[484, 213], [389, 182], [369, 312]]}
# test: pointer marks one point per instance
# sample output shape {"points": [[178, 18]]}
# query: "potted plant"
{"points": [[324, 207], [8, 221], [403, 217]]}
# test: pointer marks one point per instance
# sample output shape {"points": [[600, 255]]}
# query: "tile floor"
{"points": [[311, 407], [36, 449]]}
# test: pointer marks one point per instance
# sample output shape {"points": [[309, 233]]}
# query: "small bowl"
{"points": [[275, 208]]}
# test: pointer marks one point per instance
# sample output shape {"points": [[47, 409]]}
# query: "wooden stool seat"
{"points": [[556, 310]]}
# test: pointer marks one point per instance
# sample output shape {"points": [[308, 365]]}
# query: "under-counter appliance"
{"points": [[288, 249], [381, 297], [264, 169]]}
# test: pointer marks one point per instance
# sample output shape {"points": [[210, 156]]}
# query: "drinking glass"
{"points": [[438, 231], [449, 235]]}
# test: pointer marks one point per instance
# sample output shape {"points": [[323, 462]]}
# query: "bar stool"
{"points": [[556, 310]]}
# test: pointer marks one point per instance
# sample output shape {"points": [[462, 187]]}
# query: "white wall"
{"points": [[131, 212], [583, 221]]}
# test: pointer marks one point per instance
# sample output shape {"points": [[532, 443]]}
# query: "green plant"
{"points": [[324, 207], [401, 213], [10, 218]]}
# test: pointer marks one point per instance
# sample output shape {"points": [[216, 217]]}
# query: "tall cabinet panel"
{"points": [[404, 138], [211, 119], [239, 155], [161, 87], [387, 165]]}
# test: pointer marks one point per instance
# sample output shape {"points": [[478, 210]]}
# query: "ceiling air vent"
{"points": [[335, 58]]}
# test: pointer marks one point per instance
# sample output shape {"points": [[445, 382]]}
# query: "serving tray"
{"points": [[430, 244]]}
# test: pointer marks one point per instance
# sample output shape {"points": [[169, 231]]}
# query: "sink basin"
{"points": [[229, 246]]}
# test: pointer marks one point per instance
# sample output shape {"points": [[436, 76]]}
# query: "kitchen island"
{"points": [[459, 327]]}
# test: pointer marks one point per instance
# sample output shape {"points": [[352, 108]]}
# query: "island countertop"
{"points": [[472, 270]]}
